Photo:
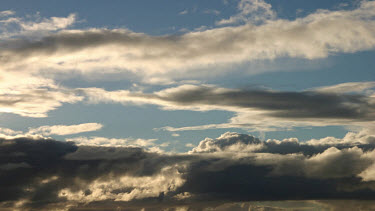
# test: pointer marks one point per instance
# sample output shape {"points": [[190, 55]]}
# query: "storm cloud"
{"points": [[45, 174]]}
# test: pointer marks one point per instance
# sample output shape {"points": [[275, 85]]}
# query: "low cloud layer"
{"points": [[48, 174]]}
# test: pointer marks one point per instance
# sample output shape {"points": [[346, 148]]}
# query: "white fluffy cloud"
{"points": [[325, 158]]}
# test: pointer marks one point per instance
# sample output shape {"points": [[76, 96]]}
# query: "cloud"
{"points": [[65, 129], [349, 87], [112, 142], [349, 104], [184, 12], [255, 109], [43, 132], [31, 27], [7, 131], [253, 11], [48, 174], [237, 143], [33, 101], [6, 13], [164, 59], [51, 24], [212, 11], [32, 59]]}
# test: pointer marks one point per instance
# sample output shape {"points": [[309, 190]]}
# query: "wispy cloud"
{"points": [[212, 11], [34, 101], [349, 87], [184, 12], [250, 11], [31, 26], [65, 129], [6, 13]]}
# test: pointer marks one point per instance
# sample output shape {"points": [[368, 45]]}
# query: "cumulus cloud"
{"points": [[48, 174], [235, 142]]}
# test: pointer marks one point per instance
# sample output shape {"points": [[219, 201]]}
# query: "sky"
{"points": [[139, 104]]}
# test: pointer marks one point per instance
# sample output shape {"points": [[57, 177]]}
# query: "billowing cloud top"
{"points": [[231, 167]]}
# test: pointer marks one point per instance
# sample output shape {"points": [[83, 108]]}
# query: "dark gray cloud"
{"points": [[46, 174], [281, 104]]}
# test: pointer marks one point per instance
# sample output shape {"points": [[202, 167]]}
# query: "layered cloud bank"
{"points": [[260, 110], [314, 36], [163, 59], [31, 59], [347, 104], [48, 174]]}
